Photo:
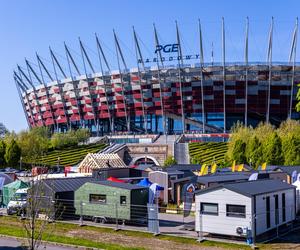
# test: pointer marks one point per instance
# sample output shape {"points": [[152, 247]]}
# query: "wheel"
{"points": [[102, 220]]}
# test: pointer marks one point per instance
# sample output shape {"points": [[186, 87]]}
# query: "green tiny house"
{"points": [[111, 200]]}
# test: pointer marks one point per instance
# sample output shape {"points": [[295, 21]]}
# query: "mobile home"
{"points": [[105, 200], [235, 209]]}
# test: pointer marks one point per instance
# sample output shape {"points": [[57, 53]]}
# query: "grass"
{"points": [[69, 156], [207, 152], [10, 227]]}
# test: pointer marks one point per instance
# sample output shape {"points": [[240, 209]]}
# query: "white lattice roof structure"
{"points": [[97, 161]]}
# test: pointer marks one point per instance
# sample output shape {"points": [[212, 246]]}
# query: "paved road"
{"points": [[8, 243]]}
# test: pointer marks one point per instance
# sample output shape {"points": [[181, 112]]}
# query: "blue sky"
{"points": [[31, 26]]}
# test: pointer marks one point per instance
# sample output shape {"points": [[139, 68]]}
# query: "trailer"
{"points": [[105, 201]]}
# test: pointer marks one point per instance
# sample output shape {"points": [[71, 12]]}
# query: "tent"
{"points": [[114, 179], [144, 183], [4, 180], [10, 189]]}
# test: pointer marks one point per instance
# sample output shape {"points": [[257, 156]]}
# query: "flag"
{"points": [[253, 177], [189, 190], [202, 171], [264, 166], [240, 167], [294, 176], [233, 166], [213, 168]]}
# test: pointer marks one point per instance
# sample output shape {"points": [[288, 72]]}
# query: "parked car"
{"points": [[18, 204]]}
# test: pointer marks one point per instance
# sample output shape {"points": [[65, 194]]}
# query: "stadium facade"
{"points": [[161, 98]]}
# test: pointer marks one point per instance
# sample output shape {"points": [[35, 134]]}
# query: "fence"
{"points": [[243, 227]]}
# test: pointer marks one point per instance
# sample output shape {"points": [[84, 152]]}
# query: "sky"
{"points": [[31, 26]]}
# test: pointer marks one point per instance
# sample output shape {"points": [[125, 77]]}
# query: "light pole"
{"points": [[21, 163]]}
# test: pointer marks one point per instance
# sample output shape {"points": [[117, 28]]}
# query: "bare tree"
{"points": [[40, 213]]}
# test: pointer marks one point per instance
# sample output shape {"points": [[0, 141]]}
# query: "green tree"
{"points": [[12, 154], [2, 153], [254, 152], [239, 151], [291, 149], [170, 161], [273, 150], [34, 143], [3, 130], [82, 135]]}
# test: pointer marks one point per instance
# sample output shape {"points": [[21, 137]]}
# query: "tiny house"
{"points": [[235, 209], [106, 200]]}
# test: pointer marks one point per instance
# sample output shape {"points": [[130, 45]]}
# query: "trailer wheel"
{"points": [[102, 220]]}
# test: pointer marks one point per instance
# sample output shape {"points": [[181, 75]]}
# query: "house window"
{"points": [[98, 198], [238, 211], [123, 200], [268, 213], [209, 208], [276, 209], [283, 207]]}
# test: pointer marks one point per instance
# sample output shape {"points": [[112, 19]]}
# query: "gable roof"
{"points": [[118, 185], [251, 188], [288, 169]]}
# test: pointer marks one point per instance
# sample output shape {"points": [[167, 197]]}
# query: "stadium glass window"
{"points": [[98, 198], [123, 200], [238, 211], [209, 208]]}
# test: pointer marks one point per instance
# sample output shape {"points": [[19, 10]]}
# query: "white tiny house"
{"points": [[235, 209]]}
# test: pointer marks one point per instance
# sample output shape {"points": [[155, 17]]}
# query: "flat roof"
{"points": [[251, 188]]}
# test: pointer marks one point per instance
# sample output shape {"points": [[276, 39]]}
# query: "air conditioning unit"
{"points": [[241, 230]]}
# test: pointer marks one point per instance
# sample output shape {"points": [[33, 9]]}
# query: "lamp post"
{"points": [[21, 162]]}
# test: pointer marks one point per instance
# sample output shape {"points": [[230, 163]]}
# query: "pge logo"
{"points": [[168, 48]]}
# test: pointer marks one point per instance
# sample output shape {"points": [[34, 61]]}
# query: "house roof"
{"points": [[251, 188], [118, 185], [184, 167], [67, 184], [288, 169], [206, 179]]}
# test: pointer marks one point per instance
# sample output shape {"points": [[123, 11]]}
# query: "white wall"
{"points": [[261, 217], [222, 224]]}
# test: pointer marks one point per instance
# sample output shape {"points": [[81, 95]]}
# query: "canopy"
{"points": [[10, 189], [144, 183], [114, 179], [4, 180]]}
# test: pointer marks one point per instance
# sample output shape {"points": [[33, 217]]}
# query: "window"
{"points": [[276, 209], [268, 214], [98, 198], [123, 200], [283, 207], [209, 208], [238, 211]]}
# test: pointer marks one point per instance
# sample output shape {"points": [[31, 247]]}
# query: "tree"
{"points": [[3, 130], [82, 134], [291, 149], [239, 152], [12, 154], [2, 153], [34, 143], [170, 161], [273, 150], [254, 152]]}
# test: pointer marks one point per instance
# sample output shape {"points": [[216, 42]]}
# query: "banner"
{"points": [[189, 190]]}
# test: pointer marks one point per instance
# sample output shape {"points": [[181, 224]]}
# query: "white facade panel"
{"points": [[221, 223]]}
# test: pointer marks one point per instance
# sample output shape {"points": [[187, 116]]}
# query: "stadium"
{"points": [[157, 96]]}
